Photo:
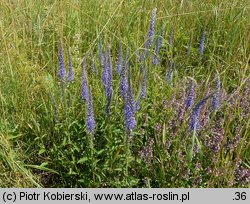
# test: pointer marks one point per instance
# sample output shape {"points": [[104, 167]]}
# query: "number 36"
{"points": [[240, 196]]}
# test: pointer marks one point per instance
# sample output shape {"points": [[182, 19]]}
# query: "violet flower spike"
{"points": [[190, 97], [151, 31], [144, 88], [109, 86], [158, 46], [108, 98], [94, 68], [138, 103], [90, 122], [170, 70], [194, 120], [130, 109], [62, 70], [150, 37], [71, 75], [107, 73], [104, 71], [124, 80], [202, 43], [142, 66], [171, 36], [143, 92], [85, 92], [100, 50], [119, 60], [216, 97]]}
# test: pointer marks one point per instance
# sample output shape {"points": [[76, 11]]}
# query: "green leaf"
{"points": [[71, 172], [81, 180], [41, 151], [100, 152], [82, 160], [41, 167]]}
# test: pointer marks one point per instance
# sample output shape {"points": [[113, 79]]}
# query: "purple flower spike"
{"points": [[119, 60], [109, 87], [101, 54], [171, 36], [170, 70], [110, 69], [142, 66], [94, 68], [144, 88], [62, 70], [130, 109], [216, 97], [158, 46], [190, 97], [151, 31], [138, 103], [150, 37], [156, 59], [124, 80], [104, 71], [85, 92], [90, 122], [109, 97], [107, 79], [71, 75], [194, 120], [202, 43], [107, 73]]}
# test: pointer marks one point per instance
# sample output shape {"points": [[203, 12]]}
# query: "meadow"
{"points": [[124, 93]]}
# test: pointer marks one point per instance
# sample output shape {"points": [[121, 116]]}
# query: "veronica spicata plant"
{"points": [[194, 119], [171, 37], [62, 69], [190, 95], [71, 72], [101, 53], [202, 42], [119, 60], [90, 119], [109, 77], [158, 46], [216, 97], [130, 110], [170, 71], [85, 91], [124, 80], [151, 33]]}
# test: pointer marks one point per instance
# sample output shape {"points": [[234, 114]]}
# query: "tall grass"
{"points": [[44, 139]]}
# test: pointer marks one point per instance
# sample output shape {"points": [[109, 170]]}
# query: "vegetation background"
{"points": [[37, 150]]}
